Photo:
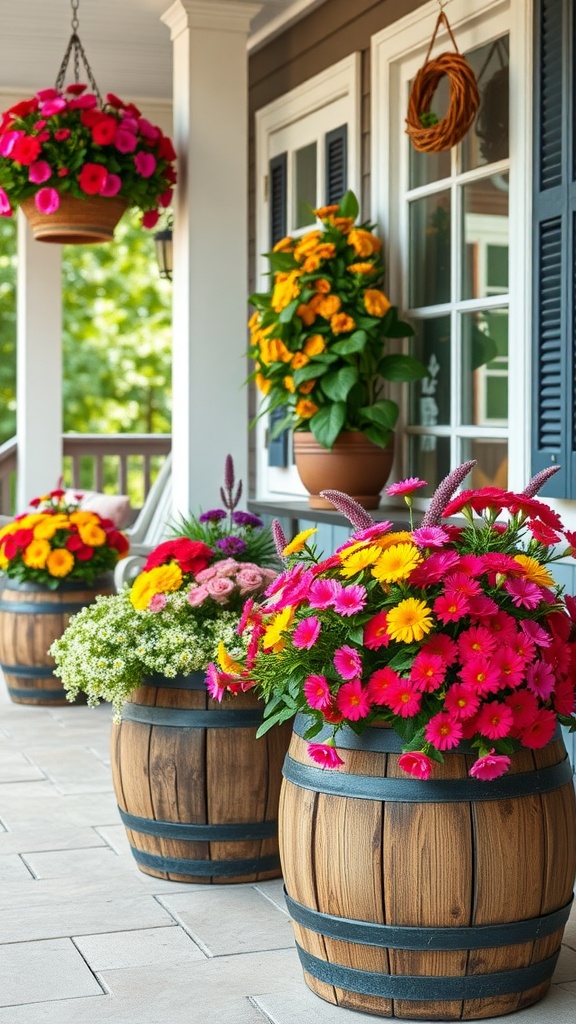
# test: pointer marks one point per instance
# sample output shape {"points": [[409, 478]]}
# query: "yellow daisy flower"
{"points": [[160, 580], [35, 555], [410, 620], [273, 638], [396, 563], [358, 560], [297, 544], [60, 562], [227, 664], [534, 571], [386, 540]]}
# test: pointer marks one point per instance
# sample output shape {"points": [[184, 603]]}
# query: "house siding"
{"points": [[329, 34]]}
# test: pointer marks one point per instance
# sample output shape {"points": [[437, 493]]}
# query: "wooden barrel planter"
{"points": [[197, 792], [31, 617], [440, 899]]}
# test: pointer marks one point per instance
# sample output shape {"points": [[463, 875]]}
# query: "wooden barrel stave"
{"points": [[430, 874], [221, 777], [26, 636]]}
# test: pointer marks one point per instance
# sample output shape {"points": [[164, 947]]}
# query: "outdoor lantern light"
{"points": [[163, 243]]}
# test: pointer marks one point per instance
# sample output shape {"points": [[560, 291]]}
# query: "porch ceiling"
{"points": [[127, 45]]}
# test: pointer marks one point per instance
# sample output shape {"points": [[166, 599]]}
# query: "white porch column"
{"points": [[209, 412], [38, 365]]}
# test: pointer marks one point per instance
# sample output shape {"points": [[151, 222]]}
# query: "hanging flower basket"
{"points": [[76, 221]]}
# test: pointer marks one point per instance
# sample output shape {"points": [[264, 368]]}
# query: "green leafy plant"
{"points": [[318, 335]]}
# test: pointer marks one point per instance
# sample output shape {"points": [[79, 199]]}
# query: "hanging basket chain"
{"points": [[75, 45], [464, 98]]}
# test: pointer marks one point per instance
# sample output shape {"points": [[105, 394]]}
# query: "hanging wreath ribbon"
{"points": [[431, 136]]}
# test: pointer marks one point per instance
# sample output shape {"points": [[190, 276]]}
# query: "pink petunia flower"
{"points": [[379, 684], [47, 200], [491, 766], [323, 593], [145, 164], [53, 106], [347, 662], [112, 185], [39, 171], [461, 701], [376, 632], [125, 141], [430, 537], [306, 633], [443, 731], [353, 700], [540, 679], [317, 692], [417, 764], [8, 140], [324, 755], [350, 600], [157, 602], [413, 483], [495, 720]]}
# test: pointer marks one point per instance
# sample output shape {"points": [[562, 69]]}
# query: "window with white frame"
{"points": [[307, 155], [455, 228]]}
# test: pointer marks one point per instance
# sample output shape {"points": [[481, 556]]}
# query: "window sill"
{"points": [[297, 511]]}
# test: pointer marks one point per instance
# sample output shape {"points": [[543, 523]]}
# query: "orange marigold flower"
{"points": [[306, 314], [315, 303], [343, 224], [254, 320], [341, 323], [361, 268], [307, 245], [289, 384], [262, 384], [273, 350], [325, 211], [81, 518], [322, 286], [284, 245], [305, 409], [311, 263], [364, 242], [314, 345], [377, 304], [307, 387], [328, 305], [326, 251], [286, 288], [35, 555], [92, 535], [60, 562], [299, 360]]}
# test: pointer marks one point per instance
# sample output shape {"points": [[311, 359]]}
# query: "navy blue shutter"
{"points": [[554, 213], [277, 174], [336, 164]]}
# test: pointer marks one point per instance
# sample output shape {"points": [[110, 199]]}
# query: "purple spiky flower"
{"points": [[357, 515], [539, 480], [279, 538], [444, 492], [229, 499]]}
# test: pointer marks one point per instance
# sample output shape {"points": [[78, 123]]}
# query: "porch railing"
{"points": [[114, 463]]}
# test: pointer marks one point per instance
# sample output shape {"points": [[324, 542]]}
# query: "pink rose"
{"points": [[197, 595], [227, 567], [220, 589], [249, 580], [206, 574], [416, 763], [47, 200], [157, 602], [145, 164]]}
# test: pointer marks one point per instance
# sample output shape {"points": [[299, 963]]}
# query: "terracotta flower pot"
{"points": [[76, 221], [354, 465]]}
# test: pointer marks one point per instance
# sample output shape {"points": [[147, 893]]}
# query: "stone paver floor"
{"points": [[86, 938]]}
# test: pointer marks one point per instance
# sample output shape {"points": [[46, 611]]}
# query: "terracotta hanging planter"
{"points": [[76, 221], [354, 465]]}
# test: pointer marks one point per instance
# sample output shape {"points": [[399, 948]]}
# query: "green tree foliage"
{"points": [[116, 335]]}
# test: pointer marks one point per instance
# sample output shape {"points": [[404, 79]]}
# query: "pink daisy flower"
{"points": [[524, 594], [353, 701], [317, 692], [491, 766], [428, 671], [350, 600], [535, 632], [376, 632], [525, 647], [417, 764], [540, 731], [524, 707], [347, 662], [403, 699], [306, 633], [323, 593], [215, 682], [451, 606], [443, 731], [482, 607], [480, 675], [434, 568], [471, 565], [540, 679], [379, 684], [463, 584], [474, 641], [413, 483], [430, 537], [495, 720], [505, 628], [510, 665], [461, 701], [324, 755]]}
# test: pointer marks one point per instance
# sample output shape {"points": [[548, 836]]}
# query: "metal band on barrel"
{"points": [[229, 832], [223, 868], [178, 717]]}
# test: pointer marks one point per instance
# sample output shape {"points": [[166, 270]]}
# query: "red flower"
{"points": [[150, 218], [91, 117], [26, 150], [118, 540], [166, 150], [91, 178], [191, 555], [415, 763], [104, 132], [61, 134], [540, 731], [75, 89], [24, 108]]}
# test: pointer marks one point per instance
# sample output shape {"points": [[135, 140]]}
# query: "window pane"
{"points": [[430, 397], [491, 457], [487, 140], [428, 167], [485, 237], [305, 186], [429, 459], [485, 368], [430, 250]]}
